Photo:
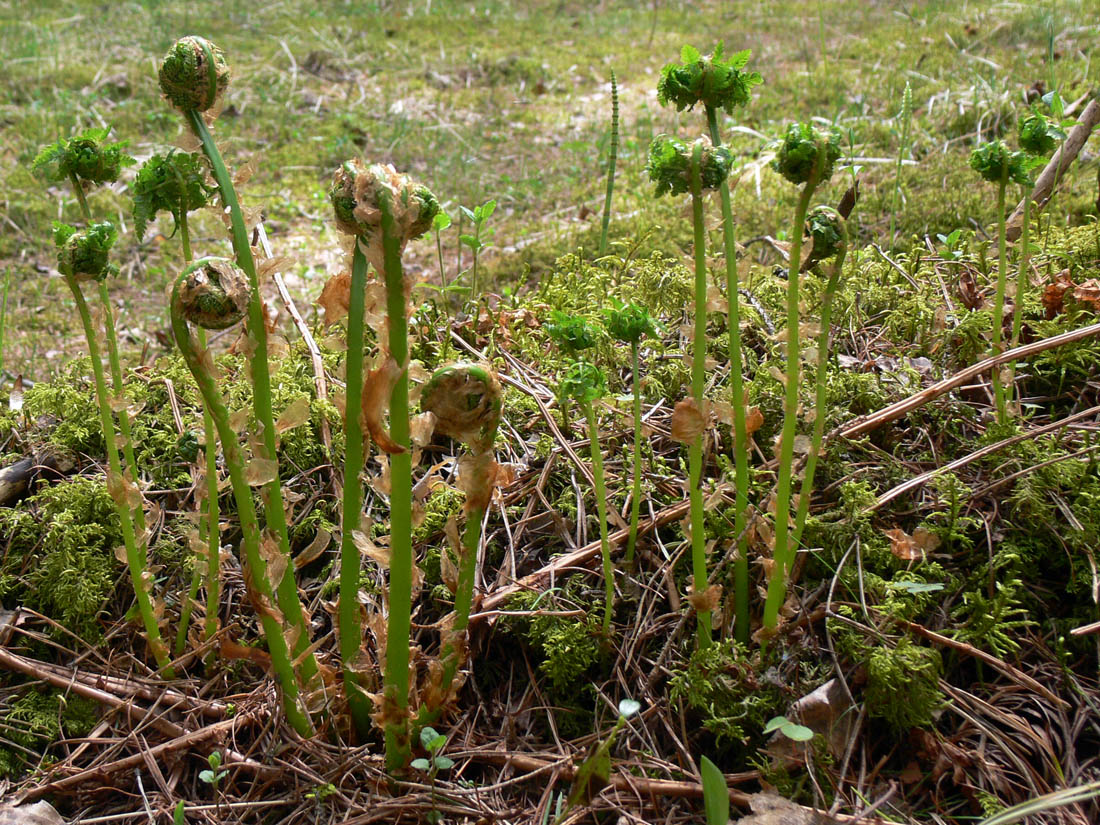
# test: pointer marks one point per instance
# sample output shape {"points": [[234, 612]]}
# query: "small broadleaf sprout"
{"points": [[996, 163], [629, 323], [213, 293], [355, 193], [571, 333], [84, 255], [194, 74], [466, 400], [1039, 135], [713, 81], [799, 151], [669, 165], [87, 156], [173, 183], [584, 383]]}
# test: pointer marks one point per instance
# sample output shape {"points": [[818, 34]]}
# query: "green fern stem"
{"points": [[395, 685], [636, 497], [737, 389], [260, 371], [613, 155], [273, 629], [601, 514], [116, 368], [999, 300], [135, 552], [819, 397], [783, 554], [906, 118], [350, 627], [698, 377], [1022, 281]]}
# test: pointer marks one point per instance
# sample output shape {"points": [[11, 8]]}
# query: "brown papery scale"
{"points": [[214, 294]]}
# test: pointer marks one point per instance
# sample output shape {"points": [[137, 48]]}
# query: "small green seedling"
{"points": [[595, 771], [716, 795], [997, 164], [793, 731], [213, 775], [478, 216], [630, 323], [951, 251], [178, 813], [433, 742]]}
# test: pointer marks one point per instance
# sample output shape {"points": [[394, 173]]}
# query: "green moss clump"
{"points": [[570, 646], [37, 719], [903, 685], [61, 552]]}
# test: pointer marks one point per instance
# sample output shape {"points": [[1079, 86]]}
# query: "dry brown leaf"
{"points": [[261, 471], [1088, 292], [313, 552], [706, 601], [1054, 294], [376, 400], [295, 415], [379, 555], [912, 547], [687, 422], [336, 297]]}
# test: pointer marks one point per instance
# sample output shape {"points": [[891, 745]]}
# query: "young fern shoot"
{"points": [[631, 323], [996, 164], [721, 85], [194, 77], [175, 183], [386, 210], [585, 384], [806, 157], [830, 239], [212, 293], [677, 168], [466, 400]]}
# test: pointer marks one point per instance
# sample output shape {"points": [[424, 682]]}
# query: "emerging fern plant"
{"points": [[630, 323], [806, 157], [720, 84], [84, 255], [213, 293], [193, 77], [176, 183], [466, 401], [676, 168], [997, 164], [385, 210]]}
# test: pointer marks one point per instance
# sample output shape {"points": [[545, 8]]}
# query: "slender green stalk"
{"points": [[274, 511], [246, 512], [395, 686], [636, 496], [999, 300], [1022, 281], [350, 626], [211, 529], [698, 364], [819, 398], [135, 551], [116, 369], [601, 513], [612, 157], [4, 315], [783, 554], [737, 390]]}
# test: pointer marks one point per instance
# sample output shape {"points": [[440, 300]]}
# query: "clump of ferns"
{"points": [[176, 183], [194, 77], [806, 158], [717, 84], [382, 210], [83, 256], [677, 168]]}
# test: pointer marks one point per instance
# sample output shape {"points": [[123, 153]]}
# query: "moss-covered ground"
{"points": [[951, 614]]}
